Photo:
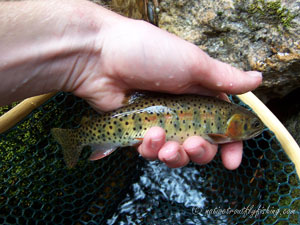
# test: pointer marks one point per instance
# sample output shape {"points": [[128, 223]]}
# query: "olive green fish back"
{"points": [[38, 188]]}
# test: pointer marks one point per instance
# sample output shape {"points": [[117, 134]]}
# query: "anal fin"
{"points": [[101, 151]]}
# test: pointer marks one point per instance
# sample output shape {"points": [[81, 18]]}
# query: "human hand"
{"points": [[99, 56], [138, 56]]}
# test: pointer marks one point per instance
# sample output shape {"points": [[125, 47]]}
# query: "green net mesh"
{"points": [[123, 188]]}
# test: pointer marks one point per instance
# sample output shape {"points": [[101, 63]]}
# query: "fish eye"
{"points": [[256, 124]]}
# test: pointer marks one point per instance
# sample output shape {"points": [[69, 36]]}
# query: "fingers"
{"points": [[222, 77], [174, 154], [199, 150], [231, 154], [194, 148]]}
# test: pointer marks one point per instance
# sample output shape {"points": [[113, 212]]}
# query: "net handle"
{"points": [[286, 140], [20, 111]]}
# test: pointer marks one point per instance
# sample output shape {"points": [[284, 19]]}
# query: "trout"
{"points": [[181, 116]]}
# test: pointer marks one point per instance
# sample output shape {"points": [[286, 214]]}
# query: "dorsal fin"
{"points": [[132, 96]]}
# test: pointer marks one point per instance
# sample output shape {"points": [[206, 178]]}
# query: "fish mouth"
{"points": [[257, 132]]}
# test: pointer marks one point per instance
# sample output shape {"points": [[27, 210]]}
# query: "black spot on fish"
{"points": [[245, 127]]}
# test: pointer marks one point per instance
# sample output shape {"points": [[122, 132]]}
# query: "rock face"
{"points": [[252, 35]]}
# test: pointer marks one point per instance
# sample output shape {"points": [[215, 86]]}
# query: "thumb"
{"points": [[223, 77]]}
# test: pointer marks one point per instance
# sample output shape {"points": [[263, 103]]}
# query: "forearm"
{"points": [[44, 44]]}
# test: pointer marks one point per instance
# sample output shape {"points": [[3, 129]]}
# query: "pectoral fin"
{"points": [[219, 138]]}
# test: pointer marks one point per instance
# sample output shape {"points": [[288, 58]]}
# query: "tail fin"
{"points": [[69, 143]]}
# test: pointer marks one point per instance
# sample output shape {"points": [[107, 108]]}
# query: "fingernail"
{"points": [[254, 73], [173, 158], [155, 143]]}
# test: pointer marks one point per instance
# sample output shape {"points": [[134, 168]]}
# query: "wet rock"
{"points": [[252, 35]]}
